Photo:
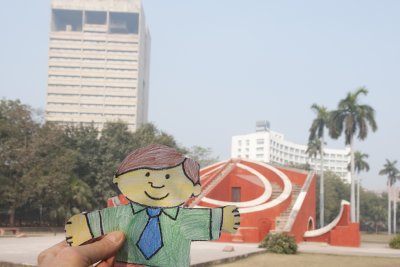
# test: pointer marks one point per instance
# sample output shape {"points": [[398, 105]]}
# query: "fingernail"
{"points": [[116, 237]]}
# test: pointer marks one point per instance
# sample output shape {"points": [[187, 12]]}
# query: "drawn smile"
{"points": [[156, 198]]}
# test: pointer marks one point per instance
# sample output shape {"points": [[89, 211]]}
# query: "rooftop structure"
{"points": [[98, 62], [271, 147]]}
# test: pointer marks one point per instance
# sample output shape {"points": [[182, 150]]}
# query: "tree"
{"points": [[202, 155], [85, 141], [115, 142], [58, 171], [313, 148], [317, 129], [335, 191], [59, 187], [352, 118], [377, 218], [390, 169], [17, 131], [359, 165], [372, 218], [150, 134]]}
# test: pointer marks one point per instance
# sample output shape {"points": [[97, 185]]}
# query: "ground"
{"points": [[313, 260], [374, 252]]}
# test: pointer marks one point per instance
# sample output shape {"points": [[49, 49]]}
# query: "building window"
{"points": [[124, 23], [247, 142], [67, 20], [239, 142], [260, 141], [96, 17]]}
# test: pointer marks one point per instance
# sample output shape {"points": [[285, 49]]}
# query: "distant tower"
{"points": [[262, 126], [99, 54]]}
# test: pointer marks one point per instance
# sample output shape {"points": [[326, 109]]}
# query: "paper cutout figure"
{"points": [[156, 180]]}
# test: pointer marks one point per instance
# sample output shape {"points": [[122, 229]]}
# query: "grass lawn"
{"points": [[376, 238], [313, 260]]}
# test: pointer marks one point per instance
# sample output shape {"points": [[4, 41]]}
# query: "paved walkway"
{"points": [[25, 250], [366, 249]]}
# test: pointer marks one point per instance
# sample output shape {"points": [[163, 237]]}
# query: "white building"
{"points": [[269, 146], [98, 62]]}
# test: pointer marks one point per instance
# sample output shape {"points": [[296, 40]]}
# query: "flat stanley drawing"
{"points": [[157, 180]]}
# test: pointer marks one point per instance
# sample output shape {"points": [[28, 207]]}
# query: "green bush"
{"points": [[279, 243], [395, 242]]}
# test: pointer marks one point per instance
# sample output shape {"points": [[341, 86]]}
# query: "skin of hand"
{"points": [[231, 219], [77, 231], [103, 250]]}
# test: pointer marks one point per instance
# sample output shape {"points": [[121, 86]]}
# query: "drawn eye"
{"points": [[167, 176], [147, 174]]}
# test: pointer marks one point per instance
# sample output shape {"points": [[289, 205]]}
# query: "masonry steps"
{"points": [[282, 219]]}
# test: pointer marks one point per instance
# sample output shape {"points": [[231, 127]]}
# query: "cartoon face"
{"points": [[157, 188]]}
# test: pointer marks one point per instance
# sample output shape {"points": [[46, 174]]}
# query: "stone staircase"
{"points": [[281, 220], [276, 191]]}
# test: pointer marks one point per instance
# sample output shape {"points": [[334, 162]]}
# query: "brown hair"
{"points": [[158, 157]]}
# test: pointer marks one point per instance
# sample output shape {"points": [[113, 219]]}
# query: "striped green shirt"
{"points": [[179, 226]]}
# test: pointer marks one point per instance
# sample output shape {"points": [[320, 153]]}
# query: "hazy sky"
{"points": [[219, 66]]}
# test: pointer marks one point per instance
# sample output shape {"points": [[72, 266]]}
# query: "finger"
{"points": [[52, 251], [107, 263], [104, 248]]}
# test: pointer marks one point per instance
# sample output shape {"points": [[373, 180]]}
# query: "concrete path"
{"points": [[366, 249], [25, 250]]}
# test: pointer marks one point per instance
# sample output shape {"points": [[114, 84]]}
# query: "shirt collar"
{"points": [[170, 212]]}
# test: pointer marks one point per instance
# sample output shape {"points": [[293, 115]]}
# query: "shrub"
{"points": [[279, 243], [395, 242]]}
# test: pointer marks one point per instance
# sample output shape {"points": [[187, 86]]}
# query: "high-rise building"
{"points": [[271, 147], [99, 52]]}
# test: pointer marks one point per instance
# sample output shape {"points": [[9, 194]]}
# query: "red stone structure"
{"points": [[270, 199], [340, 232]]}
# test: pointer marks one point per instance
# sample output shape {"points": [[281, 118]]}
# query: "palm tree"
{"points": [[350, 118], [390, 169], [317, 128], [359, 165], [313, 149]]}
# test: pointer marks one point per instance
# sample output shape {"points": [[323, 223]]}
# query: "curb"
{"points": [[227, 260]]}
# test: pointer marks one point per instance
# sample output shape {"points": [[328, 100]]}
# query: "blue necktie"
{"points": [[150, 240]]}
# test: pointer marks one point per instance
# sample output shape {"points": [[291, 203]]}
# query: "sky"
{"points": [[217, 67]]}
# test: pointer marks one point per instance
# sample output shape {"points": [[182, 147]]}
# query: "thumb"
{"points": [[104, 248]]}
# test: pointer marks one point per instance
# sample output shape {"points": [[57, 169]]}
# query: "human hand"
{"points": [[62, 255], [231, 219], [77, 230]]}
